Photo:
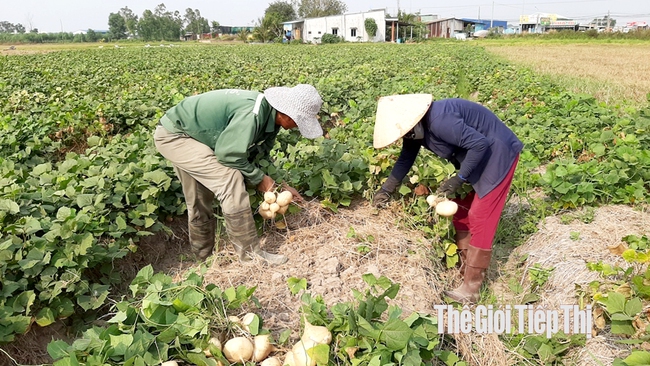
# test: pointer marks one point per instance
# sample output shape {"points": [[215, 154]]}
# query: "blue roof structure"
{"points": [[485, 23]]}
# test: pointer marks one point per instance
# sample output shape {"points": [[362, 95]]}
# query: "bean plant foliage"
{"points": [[81, 181], [161, 320], [367, 331]]}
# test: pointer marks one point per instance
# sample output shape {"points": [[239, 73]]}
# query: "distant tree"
{"points": [[34, 30], [160, 24], [415, 26], [284, 9], [194, 22], [320, 8], [171, 23], [130, 20], [6, 27], [268, 28], [243, 35], [148, 26], [91, 36], [116, 26]]}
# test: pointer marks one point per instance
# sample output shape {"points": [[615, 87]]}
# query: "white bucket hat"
{"points": [[397, 115], [302, 103]]}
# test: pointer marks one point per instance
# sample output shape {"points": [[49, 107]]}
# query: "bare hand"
{"points": [[266, 185]]}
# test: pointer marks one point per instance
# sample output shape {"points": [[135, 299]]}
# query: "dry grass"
{"points": [[554, 246], [613, 73]]}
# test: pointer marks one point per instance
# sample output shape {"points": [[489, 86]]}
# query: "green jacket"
{"points": [[238, 125]]}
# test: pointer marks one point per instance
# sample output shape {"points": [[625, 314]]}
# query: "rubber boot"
{"points": [[243, 235], [462, 238], [202, 238], [478, 261]]}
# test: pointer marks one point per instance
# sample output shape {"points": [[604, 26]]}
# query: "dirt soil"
{"points": [[322, 249]]}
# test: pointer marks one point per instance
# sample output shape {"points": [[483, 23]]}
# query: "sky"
{"points": [[72, 15]]}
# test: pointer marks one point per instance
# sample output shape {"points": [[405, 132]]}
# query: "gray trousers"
{"points": [[203, 178]]}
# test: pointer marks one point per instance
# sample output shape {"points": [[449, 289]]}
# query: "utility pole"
{"points": [[397, 40], [608, 21], [492, 17], [523, 11]]}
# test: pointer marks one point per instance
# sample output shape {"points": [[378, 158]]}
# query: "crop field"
{"points": [[94, 266]]}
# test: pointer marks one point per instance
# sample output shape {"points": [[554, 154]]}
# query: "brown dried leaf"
{"points": [[421, 190], [351, 351], [625, 290], [599, 318]]}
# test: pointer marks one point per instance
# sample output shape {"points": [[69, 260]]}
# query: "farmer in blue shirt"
{"points": [[481, 147]]}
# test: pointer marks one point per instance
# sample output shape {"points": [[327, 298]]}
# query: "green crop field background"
{"points": [[81, 182]]}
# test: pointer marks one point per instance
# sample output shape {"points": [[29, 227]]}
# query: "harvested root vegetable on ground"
{"points": [[271, 361], [247, 320], [262, 347], [446, 208], [214, 341], [238, 349], [169, 363], [313, 335], [234, 319], [288, 359], [299, 355], [316, 333]]}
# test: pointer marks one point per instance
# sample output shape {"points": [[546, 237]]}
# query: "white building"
{"points": [[349, 26]]}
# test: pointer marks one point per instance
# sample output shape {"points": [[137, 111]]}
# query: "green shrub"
{"points": [[331, 38]]}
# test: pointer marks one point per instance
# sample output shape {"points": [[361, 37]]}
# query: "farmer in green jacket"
{"points": [[212, 139]]}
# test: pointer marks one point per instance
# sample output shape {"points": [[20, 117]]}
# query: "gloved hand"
{"points": [[381, 198], [450, 186]]}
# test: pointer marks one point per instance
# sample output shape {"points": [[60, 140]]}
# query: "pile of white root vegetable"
{"points": [[243, 349], [444, 207], [274, 204]]}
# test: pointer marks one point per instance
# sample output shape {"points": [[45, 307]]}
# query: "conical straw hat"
{"points": [[397, 115]]}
